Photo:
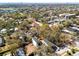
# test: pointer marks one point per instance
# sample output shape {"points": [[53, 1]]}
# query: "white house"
{"points": [[3, 30], [75, 28], [66, 15], [35, 42]]}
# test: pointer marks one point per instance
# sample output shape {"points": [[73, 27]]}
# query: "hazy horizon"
{"points": [[39, 1]]}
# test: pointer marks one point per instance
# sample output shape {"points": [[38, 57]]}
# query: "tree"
{"points": [[65, 38], [44, 31]]}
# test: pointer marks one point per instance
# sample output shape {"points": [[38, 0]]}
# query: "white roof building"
{"points": [[75, 28], [66, 15], [35, 42], [3, 31]]}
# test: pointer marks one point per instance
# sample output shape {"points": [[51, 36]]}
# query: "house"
{"points": [[51, 21], [11, 30], [76, 54], [36, 42], [77, 16], [75, 29], [1, 41], [66, 15], [22, 38], [30, 49], [55, 20], [77, 43], [3, 30], [62, 52], [16, 29], [74, 25], [67, 31], [48, 43], [20, 52], [36, 24]]}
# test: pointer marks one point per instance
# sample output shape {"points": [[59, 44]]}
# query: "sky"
{"points": [[40, 1]]}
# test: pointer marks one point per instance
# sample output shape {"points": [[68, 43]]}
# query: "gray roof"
{"points": [[48, 43], [20, 52], [1, 41]]}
